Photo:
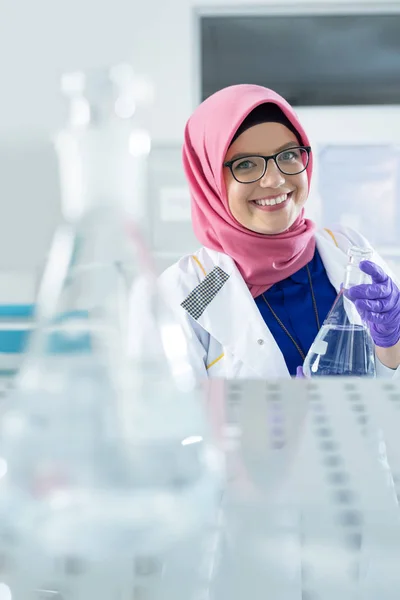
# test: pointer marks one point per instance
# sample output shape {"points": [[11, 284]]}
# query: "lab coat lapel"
{"points": [[233, 318], [334, 259]]}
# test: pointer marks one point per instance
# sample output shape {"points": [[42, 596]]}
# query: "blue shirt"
{"points": [[292, 302]]}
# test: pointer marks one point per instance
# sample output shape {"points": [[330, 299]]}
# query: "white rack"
{"points": [[312, 503]]}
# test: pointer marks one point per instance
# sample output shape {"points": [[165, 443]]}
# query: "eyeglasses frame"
{"points": [[230, 163]]}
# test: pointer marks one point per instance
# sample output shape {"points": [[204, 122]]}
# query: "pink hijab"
{"points": [[263, 260]]}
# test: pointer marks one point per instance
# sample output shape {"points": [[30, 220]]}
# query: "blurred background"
{"points": [[337, 63]]}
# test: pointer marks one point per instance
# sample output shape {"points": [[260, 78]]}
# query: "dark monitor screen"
{"points": [[322, 60]]}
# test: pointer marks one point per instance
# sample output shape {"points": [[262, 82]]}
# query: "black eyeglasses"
{"points": [[251, 168]]}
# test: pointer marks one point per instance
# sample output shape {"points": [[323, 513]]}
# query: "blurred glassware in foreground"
{"points": [[111, 483]]}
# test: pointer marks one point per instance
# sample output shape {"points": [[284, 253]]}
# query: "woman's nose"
{"points": [[272, 176]]}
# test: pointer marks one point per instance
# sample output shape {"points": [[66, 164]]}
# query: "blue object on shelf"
{"points": [[14, 340], [80, 342], [17, 322]]}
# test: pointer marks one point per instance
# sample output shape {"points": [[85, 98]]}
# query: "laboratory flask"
{"points": [[344, 345], [111, 483]]}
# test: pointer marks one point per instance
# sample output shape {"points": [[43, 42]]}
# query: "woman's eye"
{"points": [[245, 164], [289, 155]]}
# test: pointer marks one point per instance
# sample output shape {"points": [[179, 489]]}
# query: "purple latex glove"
{"points": [[378, 304], [300, 373]]}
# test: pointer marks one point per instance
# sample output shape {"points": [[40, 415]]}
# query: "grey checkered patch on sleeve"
{"points": [[198, 299]]}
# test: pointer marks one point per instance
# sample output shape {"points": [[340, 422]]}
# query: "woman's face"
{"points": [[265, 139]]}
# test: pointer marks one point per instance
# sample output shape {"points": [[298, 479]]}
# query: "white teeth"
{"points": [[272, 201]]}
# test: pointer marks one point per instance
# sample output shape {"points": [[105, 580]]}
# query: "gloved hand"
{"points": [[378, 304], [300, 373]]}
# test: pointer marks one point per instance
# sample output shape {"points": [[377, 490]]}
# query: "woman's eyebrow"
{"points": [[244, 154]]}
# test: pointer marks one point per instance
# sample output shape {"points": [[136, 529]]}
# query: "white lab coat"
{"points": [[229, 338]]}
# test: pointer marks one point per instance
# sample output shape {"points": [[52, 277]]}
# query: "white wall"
{"points": [[40, 39]]}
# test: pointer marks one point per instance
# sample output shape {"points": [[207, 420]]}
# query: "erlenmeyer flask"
{"points": [[111, 479], [344, 345]]}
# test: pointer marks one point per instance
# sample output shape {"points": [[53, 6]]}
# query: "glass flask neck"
{"points": [[353, 274], [99, 96], [103, 149]]}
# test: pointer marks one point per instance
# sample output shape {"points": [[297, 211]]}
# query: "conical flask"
{"points": [[344, 345], [110, 479]]}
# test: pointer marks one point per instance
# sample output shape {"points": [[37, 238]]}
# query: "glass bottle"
{"points": [[344, 345], [111, 481]]}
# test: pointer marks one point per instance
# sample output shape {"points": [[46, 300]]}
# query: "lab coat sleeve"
{"points": [[385, 372]]}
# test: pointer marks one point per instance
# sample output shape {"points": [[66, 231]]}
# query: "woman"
{"points": [[252, 299]]}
